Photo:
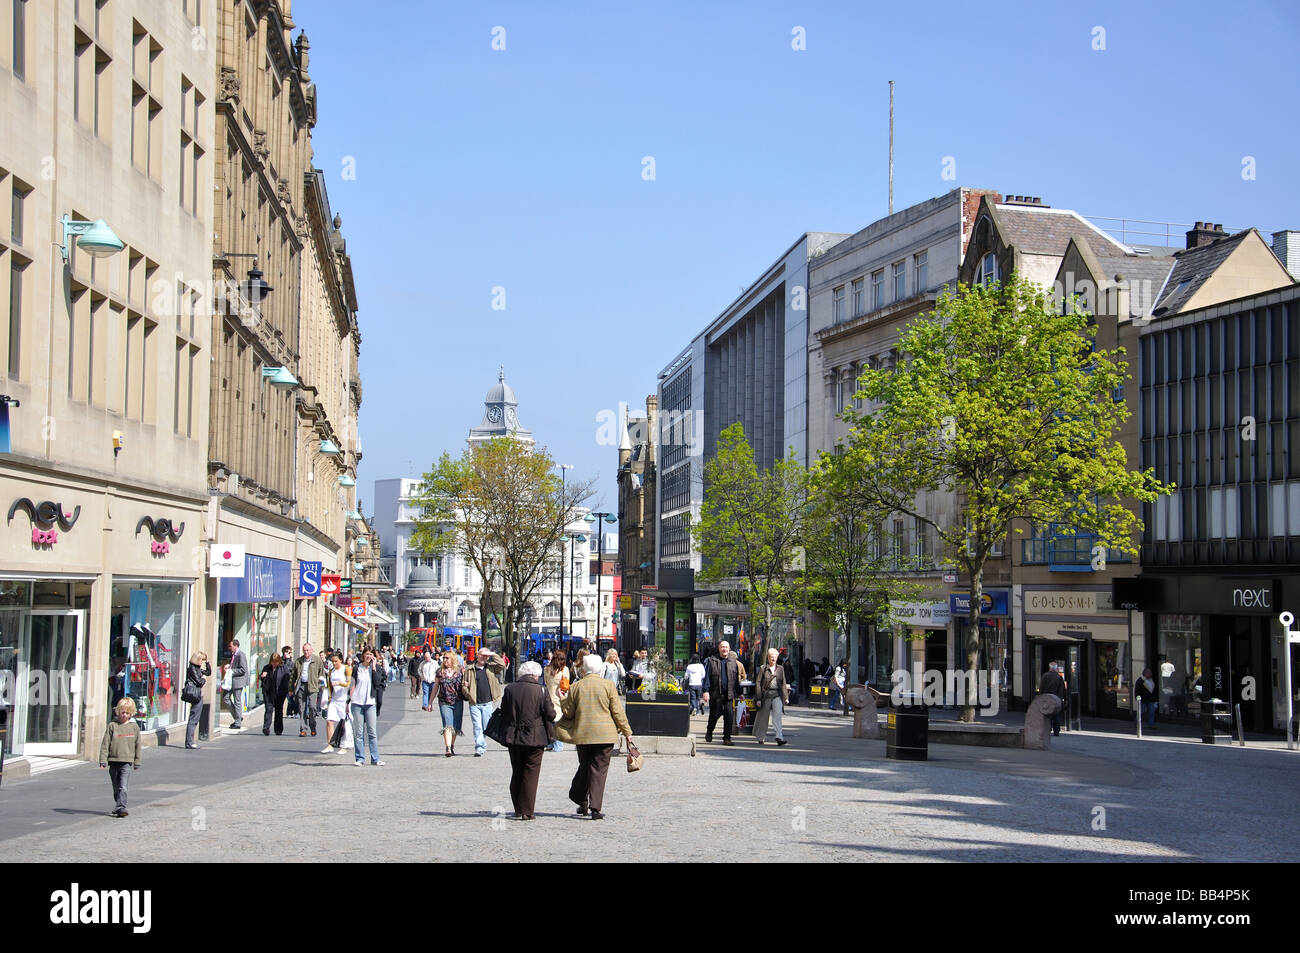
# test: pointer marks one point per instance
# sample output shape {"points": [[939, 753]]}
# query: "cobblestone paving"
{"points": [[825, 796]]}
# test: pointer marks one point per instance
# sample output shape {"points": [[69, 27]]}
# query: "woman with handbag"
{"points": [[336, 713], [192, 692], [446, 688], [593, 720], [527, 727]]}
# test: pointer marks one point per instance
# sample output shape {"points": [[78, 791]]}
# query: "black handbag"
{"points": [[496, 727]]}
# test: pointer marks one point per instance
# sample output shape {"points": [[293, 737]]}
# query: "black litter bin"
{"points": [[1215, 718], [907, 731], [4, 737]]}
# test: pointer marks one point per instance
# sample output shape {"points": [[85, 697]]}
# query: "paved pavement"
{"points": [[825, 796]]}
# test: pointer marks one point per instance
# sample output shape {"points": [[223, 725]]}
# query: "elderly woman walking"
{"points": [[528, 719], [593, 720], [446, 688]]}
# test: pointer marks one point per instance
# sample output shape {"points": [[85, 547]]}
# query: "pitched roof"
{"points": [[1047, 231], [1192, 269], [1145, 276]]}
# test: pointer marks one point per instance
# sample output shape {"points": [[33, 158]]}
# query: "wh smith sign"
{"points": [[264, 580], [309, 574]]}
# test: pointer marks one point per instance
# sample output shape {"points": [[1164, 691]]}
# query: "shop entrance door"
{"points": [[49, 682]]}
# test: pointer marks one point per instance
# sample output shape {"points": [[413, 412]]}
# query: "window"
{"points": [[900, 280], [878, 289], [837, 301], [19, 49], [146, 107], [859, 296], [15, 335], [922, 531], [921, 271], [16, 222], [987, 271]]}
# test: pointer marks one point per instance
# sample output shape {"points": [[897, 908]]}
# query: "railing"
{"points": [[1169, 234]]}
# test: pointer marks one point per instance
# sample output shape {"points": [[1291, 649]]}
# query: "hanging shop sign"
{"points": [[329, 584], [44, 517], [358, 610], [345, 584], [225, 561], [309, 579], [264, 580], [342, 601], [163, 533]]}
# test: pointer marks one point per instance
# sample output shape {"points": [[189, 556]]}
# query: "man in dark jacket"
{"points": [[721, 690], [305, 681], [238, 683], [1054, 684]]}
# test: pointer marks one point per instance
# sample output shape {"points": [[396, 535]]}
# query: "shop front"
{"points": [[917, 637], [995, 637], [1217, 639], [253, 608], [1079, 629]]}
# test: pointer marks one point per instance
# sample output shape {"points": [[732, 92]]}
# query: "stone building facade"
{"points": [[106, 112], [636, 517]]}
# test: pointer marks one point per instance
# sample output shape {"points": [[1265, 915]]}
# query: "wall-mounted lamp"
{"points": [[328, 446], [346, 480], [279, 377], [94, 238], [255, 288]]}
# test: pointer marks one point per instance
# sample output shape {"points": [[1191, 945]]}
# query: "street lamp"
{"points": [[564, 469], [573, 586], [594, 520]]}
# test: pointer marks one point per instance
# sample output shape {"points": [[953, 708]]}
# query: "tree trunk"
{"points": [[973, 644]]}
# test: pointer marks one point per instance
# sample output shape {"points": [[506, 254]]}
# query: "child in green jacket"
{"points": [[119, 750]]}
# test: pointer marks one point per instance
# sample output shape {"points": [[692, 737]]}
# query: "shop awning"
{"points": [[375, 617], [355, 623]]}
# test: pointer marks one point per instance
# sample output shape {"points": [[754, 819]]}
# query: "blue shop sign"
{"points": [[264, 580], [991, 603]]}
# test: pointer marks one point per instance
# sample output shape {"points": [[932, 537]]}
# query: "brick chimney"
{"points": [[1204, 233]]}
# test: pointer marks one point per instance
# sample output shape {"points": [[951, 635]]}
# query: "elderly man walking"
{"points": [[721, 689], [304, 681], [481, 687], [772, 694]]}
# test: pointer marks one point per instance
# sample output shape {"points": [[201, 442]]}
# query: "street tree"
{"points": [[1004, 401], [502, 508], [849, 567], [751, 522]]}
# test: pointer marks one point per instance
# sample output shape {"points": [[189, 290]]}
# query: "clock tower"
{"points": [[500, 415]]}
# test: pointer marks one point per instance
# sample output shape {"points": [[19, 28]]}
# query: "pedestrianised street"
{"points": [[826, 796]]}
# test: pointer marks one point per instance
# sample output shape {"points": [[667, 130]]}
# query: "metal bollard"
{"points": [[1138, 711], [1241, 729]]}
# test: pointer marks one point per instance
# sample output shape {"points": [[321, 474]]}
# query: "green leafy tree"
{"points": [[751, 523], [849, 571], [1005, 402], [502, 508]]}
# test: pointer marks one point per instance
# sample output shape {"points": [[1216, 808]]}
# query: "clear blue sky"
{"points": [[522, 168]]}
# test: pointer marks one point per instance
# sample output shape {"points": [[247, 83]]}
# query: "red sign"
{"points": [[329, 585], [358, 610]]}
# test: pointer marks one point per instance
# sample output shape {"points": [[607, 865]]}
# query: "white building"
{"points": [[447, 588]]}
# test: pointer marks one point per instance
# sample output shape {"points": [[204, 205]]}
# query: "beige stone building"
{"points": [[106, 112], [636, 516]]}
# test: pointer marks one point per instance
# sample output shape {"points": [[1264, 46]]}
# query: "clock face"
{"points": [[510, 416], [494, 414]]}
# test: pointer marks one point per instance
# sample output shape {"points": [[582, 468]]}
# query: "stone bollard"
{"points": [[863, 702], [1038, 725]]}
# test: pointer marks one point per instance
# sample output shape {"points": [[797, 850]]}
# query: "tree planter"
{"points": [[668, 715]]}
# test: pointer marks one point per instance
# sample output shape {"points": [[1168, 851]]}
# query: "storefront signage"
{"points": [[358, 609], [991, 603], [342, 601], [309, 574], [45, 516], [1097, 631], [345, 584], [924, 615], [264, 580], [225, 561], [416, 605], [949, 578], [625, 602], [329, 584], [163, 531], [733, 597], [1066, 602]]}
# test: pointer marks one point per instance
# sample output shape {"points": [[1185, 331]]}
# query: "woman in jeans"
{"points": [[364, 697], [446, 688], [197, 677]]}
